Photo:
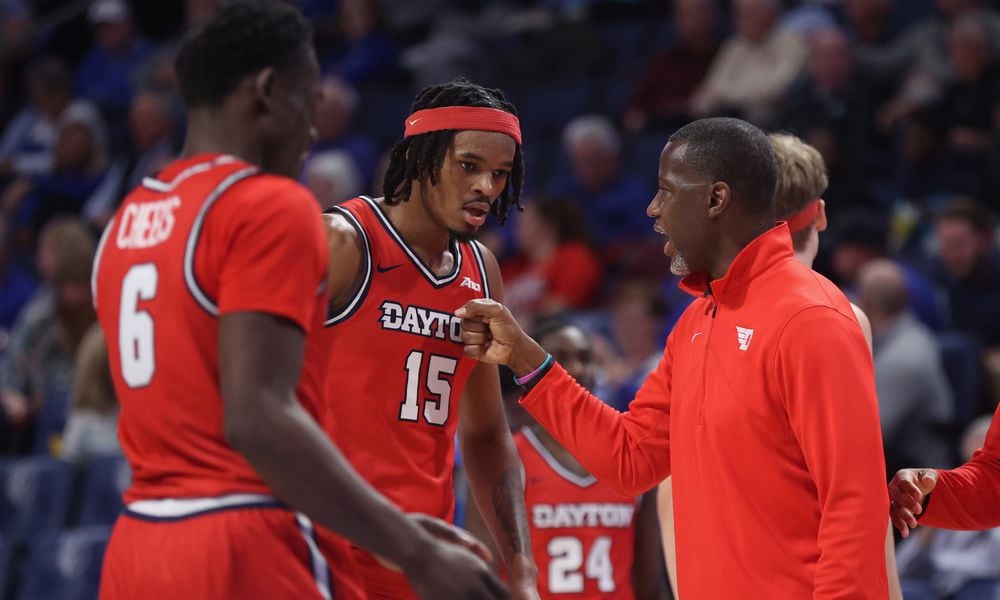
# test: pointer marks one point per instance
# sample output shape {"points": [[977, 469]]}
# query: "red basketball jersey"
{"points": [[582, 531], [394, 365], [210, 235]]}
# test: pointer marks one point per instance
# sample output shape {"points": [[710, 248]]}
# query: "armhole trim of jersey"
{"points": [[352, 305], [191, 247], [478, 253], [554, 464], [97, 260]]}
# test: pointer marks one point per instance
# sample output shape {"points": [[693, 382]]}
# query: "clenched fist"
{"points": [[491, 335]]}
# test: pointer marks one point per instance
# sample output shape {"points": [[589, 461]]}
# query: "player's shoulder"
{"points": [[265, 187]]}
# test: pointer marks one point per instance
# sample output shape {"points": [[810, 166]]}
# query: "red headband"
{"points": [[804, 218], [462, 117]]}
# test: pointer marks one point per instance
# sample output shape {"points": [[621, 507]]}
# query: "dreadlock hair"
{"points": [[421, 156]]}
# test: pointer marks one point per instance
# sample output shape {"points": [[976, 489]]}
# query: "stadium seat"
{"points": [[35, 496], [65, 565], [106, 480], [918, 590], [4, 567], [980, 589]]}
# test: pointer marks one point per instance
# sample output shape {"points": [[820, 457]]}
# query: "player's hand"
{"points": [[445, 570], [489, 332], [907, 491], [446, 532]]}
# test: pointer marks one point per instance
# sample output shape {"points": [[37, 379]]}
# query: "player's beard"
{"points": [[679, 266]]}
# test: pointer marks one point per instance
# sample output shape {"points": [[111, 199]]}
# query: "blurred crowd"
{"points": [[901, 98]]}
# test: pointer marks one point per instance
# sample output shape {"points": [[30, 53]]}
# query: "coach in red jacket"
{"points": [[762, 408]]}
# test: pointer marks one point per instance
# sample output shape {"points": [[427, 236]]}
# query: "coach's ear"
{"points": [[263, 86]]}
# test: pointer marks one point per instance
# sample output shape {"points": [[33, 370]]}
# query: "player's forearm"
{"points": [[298, 462], [494, 474]]}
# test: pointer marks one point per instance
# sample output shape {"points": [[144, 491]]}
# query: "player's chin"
{"points": [[464, 231]]}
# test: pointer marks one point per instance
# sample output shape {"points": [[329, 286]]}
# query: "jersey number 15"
{"points": [[438, 375]]}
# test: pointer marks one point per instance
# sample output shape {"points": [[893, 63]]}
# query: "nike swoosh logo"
{"points": [[382, 269], [414, 122], [694, 336]]}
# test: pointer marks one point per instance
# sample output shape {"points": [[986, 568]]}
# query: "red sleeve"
{"points": [[969, 497], [275, 256], [574, 275], [629, 452], [823, 373]]}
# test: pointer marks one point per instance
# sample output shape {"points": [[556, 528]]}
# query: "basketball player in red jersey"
{"points": [[208, 281], [404, 263], [589, 541]]}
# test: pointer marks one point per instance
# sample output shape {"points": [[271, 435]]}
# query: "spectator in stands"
{"points": [[754, 67], [870, 21], [367, 52], [92, 425], [608, 194], [26, 145], [948, 559], [78, 165], [970, 97], [104, 76], [918, 58], [663, 93], [915, 402], [555, 268], [39, 362], [967, 269], [832, 108], [334, 120], [152, 125], [332, 177], [637, 325]]}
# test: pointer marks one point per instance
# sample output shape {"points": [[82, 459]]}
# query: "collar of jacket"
{"points": [[762, 253]]}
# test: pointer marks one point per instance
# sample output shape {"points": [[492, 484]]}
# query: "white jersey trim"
{"points": [[97, 261], [362, 292], [435, 280], [320, 568], [192, 242], [554, 464], [173, 508], [168, 186], [481, 263]]}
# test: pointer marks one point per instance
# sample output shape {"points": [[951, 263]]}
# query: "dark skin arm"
{"points": [[492, 464], [260, 360], [648, 576]]}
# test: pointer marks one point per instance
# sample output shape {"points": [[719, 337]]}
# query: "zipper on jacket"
{"points": [[704, 360]]}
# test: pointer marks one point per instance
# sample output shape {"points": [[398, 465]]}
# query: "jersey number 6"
{"points": [[135, 327]]}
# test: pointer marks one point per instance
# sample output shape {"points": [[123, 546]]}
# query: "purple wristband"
{"points": [[527, 378]]}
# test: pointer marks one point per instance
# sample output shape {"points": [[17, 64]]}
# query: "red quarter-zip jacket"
{"points": [[969, 497], [763, 409]]}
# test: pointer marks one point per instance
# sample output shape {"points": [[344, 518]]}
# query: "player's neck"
{"points": [[427, 238], [561, 454], [210, 132]]}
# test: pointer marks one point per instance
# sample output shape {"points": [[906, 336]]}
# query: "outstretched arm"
{"points": [[629, 452]]}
